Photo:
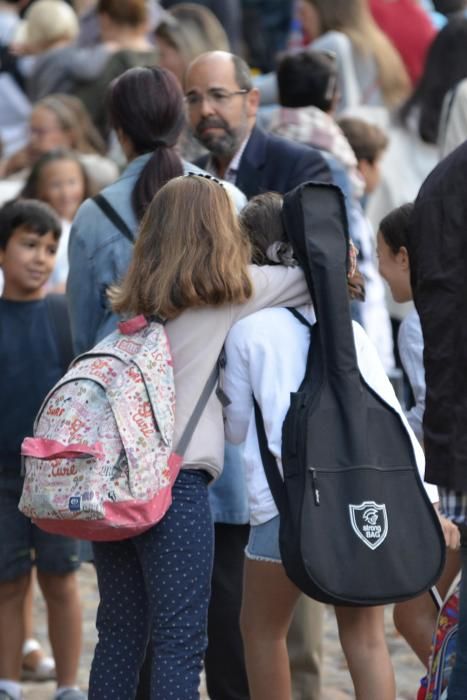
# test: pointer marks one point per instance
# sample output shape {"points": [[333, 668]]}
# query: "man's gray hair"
{"points": [[242, 73]]}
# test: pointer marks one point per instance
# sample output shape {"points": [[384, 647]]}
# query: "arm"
{"points": [[274, 285], [410, 342], [340, 45], [83, 290], [237, 387]]}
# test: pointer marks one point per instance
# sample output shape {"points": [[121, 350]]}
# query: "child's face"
{"points": [[395, 269], [46, 133], [27, 263], [371, 173], [61, 185]]}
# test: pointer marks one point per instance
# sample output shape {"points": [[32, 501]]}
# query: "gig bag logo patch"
{"points": [[370, 522]]}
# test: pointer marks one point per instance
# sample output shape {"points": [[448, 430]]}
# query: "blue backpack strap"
{"points": [[113, 216]]}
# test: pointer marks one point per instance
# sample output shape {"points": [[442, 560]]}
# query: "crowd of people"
{"points": [[145, 148]]}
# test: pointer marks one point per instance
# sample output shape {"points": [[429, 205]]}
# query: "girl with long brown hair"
{"points": [[374, 73], [190, 267]]}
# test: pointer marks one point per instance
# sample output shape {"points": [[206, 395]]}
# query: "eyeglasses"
{"points": [[215, 96]]}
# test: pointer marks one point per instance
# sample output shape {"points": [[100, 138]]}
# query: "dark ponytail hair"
{"points": [[147, 105], [445, 66], [395, 226]]}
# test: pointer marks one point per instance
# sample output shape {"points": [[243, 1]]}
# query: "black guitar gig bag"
{"points": [[356, 525]]}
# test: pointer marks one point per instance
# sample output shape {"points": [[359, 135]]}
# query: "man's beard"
{"points": [[221, 145]]}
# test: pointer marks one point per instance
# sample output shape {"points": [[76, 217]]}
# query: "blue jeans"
{"points": [[457, 689], [156, 586], [26, 544]]}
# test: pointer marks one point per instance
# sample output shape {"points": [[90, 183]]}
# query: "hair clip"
{"points": [[207, 176]]}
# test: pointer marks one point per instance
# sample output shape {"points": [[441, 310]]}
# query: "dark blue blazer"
{"points": [[272, 163]]}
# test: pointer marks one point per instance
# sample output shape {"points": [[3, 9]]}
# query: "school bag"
{"points": [[356, 525], [443, 646], [102, 463]]}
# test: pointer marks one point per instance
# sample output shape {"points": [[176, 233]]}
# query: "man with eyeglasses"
{"points": [[222, 105]]}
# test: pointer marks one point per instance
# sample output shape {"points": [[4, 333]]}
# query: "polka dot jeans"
{"points": [[156, 585]]}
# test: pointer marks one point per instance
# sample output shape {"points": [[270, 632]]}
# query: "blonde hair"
{"points": [[190, 252], [48, 21], [74, 119], [353, 18]]}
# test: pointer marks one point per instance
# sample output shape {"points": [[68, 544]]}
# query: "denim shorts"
{"points": [[25, 544], [263, 543]]}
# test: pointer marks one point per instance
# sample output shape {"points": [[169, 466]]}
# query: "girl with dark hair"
{"points": [[445, 66], [190, 267], [146, 112], [413, 148], [415, 619], [139, 134], [260, 365]]}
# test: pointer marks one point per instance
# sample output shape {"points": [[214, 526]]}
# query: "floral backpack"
{"points": [[101, 464], [443, 648]]}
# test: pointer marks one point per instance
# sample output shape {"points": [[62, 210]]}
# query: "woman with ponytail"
{"points": [[147, 113]]}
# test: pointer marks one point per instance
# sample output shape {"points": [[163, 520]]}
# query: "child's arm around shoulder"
{"points": [[275, 285], [237, 386]]}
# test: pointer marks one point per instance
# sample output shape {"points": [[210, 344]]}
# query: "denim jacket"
{"points": [[99, 256]]}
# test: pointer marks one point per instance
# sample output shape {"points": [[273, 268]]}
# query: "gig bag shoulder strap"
{"points": [[271, 469], [113, 216]]}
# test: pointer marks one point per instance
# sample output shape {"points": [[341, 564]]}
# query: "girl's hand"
{"points": [[452, 535]]}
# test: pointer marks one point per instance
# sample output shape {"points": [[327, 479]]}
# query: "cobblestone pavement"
{"points": [[337, 684]]}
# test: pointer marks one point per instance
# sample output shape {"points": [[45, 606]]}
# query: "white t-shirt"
{"points": [[410, 344], [266, 356]]}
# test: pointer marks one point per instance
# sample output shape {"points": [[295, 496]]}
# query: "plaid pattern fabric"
{"points": [[453, 504], [314, 127]]}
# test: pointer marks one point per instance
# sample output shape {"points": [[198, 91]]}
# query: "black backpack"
{"points": [[356, 525]]}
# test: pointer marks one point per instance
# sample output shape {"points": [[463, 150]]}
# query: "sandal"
{"points": [[43, 669]]}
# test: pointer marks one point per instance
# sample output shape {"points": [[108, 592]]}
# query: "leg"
{"points": [[57, 559], [269, 598], [416, 619], [143, 692], [361, 632], [224, 663], [121, 621], [457, 688], [15, 573], [12, 595], [305, 647], [64, 621], [176, 557]]}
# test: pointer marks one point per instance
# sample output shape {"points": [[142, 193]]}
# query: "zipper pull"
{"points": [[314, 486]]}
